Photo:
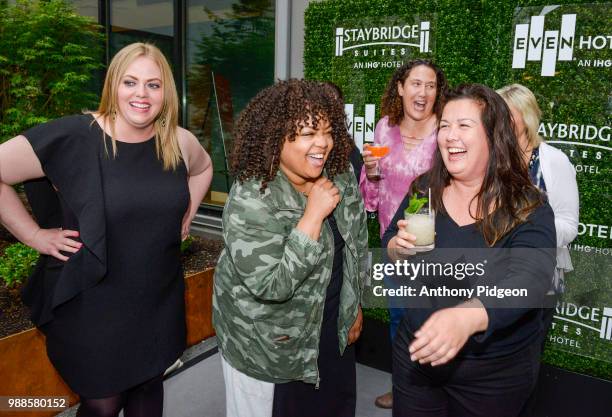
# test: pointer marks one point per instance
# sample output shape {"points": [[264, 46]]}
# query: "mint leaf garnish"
{"points": [[415, 204]]}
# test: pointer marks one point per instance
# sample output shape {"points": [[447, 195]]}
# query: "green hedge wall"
{"points": [[472, 42]]}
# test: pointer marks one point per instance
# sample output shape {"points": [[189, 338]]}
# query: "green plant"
{"points": [[186, 244], [17, 263], [49, 56]]}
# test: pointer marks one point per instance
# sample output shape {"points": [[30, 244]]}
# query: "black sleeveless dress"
{"points": [[117, 330]]}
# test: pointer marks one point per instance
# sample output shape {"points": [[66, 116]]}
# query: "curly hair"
{"points": [[276, 114], [391, 103], [506, 186]]}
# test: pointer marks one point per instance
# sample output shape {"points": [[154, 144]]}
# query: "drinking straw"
{"points": [[429, 201]]}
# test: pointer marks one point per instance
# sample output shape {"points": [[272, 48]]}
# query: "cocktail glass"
{"points": [[422, 225], [379, 151]]}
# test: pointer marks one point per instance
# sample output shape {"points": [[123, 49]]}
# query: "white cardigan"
{"points": [[562, 190]]}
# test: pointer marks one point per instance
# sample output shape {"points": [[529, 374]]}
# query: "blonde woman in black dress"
{"points": [[114, 192]]}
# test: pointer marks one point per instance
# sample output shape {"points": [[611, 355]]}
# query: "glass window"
{"points": [[87, 8], [142, 21], [230, 57]]}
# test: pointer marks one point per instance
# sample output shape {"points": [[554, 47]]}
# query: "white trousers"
{"points": [[246, 396]]}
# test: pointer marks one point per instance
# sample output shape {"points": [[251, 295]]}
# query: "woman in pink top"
{"points": [[408, 127]]}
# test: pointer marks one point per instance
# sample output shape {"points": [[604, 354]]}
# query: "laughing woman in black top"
{"points": [[478, 361], [120, 187]]}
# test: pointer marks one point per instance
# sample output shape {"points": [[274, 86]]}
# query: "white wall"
{"points": [[289, 54]]}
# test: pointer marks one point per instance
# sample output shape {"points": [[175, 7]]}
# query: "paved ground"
{"points": [[197, 389]]}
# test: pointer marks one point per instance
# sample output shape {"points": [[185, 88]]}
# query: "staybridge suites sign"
{"points": [[375, 48], [382, 43], [384, 39]]}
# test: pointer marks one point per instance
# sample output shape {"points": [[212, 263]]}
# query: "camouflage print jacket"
{"points": [[271, 279]]}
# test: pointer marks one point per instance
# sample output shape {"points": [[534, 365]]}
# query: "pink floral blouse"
{"points": [[399, 168]]}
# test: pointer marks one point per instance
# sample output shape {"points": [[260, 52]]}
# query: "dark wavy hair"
{"points": [[507, 196], [276, 114], [391, 104], [334, 91]]}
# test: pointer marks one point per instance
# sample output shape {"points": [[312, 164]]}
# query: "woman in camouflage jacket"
{"points": [[294, 228]]}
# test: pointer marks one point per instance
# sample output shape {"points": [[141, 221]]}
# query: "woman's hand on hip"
{"points": [[446, 331], [52, 241], [355, 330]]}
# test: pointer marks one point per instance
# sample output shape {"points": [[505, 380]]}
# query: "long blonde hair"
{"points": [[166, 122], [524, 101]]}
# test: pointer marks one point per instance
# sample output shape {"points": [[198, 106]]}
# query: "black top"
{"points": [[332, 296], [356, 162], [336, 393], [510, 329], [115, 330]]}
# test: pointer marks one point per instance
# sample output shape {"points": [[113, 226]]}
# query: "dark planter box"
{"points": [[562, 393]]}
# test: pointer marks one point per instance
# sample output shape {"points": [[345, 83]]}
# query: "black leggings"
{"points": [[144, 400]]}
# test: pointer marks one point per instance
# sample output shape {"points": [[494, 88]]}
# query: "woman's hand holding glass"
{"points": [[403, 243], [371, 159]]}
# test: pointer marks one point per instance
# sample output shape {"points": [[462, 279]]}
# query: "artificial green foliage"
{"points": [[472, 41], [17, 263], [575, 95], [581, 364], [380, 314], [373, 231], [454, 52], [48, 58], [587, 285]]}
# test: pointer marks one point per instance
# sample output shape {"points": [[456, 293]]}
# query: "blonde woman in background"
{"points": [[550, 170], [119, 189]]}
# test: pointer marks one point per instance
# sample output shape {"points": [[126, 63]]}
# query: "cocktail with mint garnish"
{"points": [[421, 223]]}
